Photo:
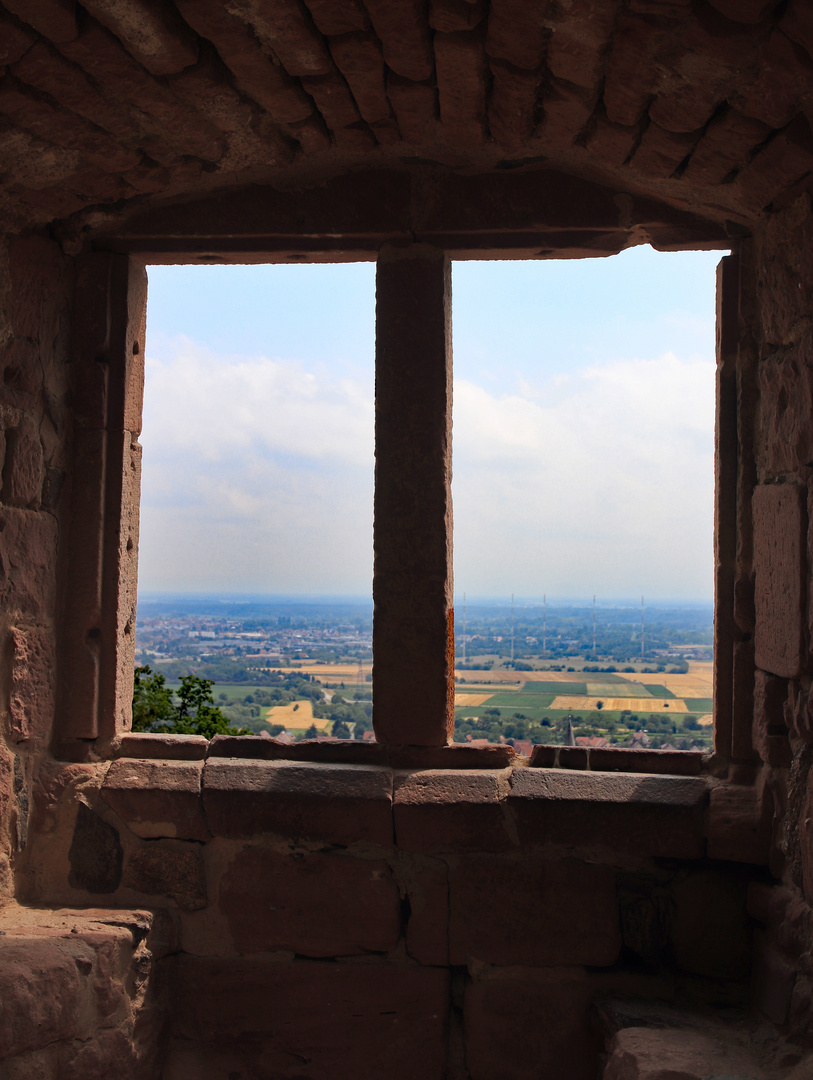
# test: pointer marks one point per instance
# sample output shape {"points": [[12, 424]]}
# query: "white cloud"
{"points": [[602, 482], [258, 475]]}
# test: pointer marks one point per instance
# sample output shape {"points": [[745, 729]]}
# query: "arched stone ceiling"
{"points": [[113, 104]]}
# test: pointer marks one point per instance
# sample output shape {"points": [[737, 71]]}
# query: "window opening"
{"points": [[584, 480], [255, 553]]}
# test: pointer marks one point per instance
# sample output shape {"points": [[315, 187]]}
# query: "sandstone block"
{"points": [[27, 562], [338, 804], [739, 826], [54, 19], [516, 33], [24, 469], [784, 281], [144, 744], [710, 931], [404, 35], [333, 17], [95, 854], [490, 898], [413, 636], [770, 735], [161, 43], [426, 884], [32, 684], [786, 397], [549, 1008], [310, 903], [168, 871], [453, 756], [657, 815], [157, 798], [43, 987], [346, 1020], [452, 810], [806, 840], [773, 980], [649, 1054], [780, 523]]}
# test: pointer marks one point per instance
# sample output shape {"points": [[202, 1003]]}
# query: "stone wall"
{"points": [[401, 914], [339, 919], [35, 322]]}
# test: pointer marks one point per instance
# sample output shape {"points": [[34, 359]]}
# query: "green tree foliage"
{"points": [[194, 713]]}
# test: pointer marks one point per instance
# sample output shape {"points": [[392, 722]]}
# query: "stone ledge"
{"points": [[69, 979], [619, 759], [340, 804], [144, 744], [157, 798], [454, 756], [446, 810], [420, 810], [625, 812]]}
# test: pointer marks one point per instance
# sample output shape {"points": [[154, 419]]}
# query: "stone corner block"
{"points": [[452, 810], [654, 815], [157, 798], [146, 744], [339, 804]]}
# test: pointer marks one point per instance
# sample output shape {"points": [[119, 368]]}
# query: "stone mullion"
{"points": [[413, 632]]}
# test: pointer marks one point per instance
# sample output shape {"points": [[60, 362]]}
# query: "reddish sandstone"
{"points": [[780, 523], [157, 798], [310, 903]]}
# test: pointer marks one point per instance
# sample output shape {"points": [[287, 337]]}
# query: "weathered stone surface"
{"points": [[651, 1054], [27, 561], [710, 931], [773, 979], [160, 42], [618, 759], [144, 744], [426, 884], [556, 1044], [780, 524], [784, 283], [806, 839], [770, 735], [24, 469], [157, 798], [404, 36], [739, 827], [452, 810], [43, 992], [786, 398], [337, 804], [95, 854], [491, 897], [164, 871], [309, 903], [658, 815], [32, 683], [413, 620], [344, 1019]]}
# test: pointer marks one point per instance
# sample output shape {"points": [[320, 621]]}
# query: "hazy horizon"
{"points": [[582, 443]]}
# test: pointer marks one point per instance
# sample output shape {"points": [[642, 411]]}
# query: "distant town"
{"points": [[594, 674]]}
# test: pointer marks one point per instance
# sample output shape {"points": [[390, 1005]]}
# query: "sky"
{"points": [[583, 435]]}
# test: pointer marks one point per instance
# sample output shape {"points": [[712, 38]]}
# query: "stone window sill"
{"points": [[407, 803]]}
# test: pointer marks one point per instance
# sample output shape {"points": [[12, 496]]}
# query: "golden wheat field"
{"points": [[634, 704], [299, 717], [472, 699]]}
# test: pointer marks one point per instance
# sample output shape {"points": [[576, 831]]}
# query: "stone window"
{"points": [[413, 636]]}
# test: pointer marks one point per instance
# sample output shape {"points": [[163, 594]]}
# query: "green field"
{"points": [[659, 691], [554, 688], [699, 704]]}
